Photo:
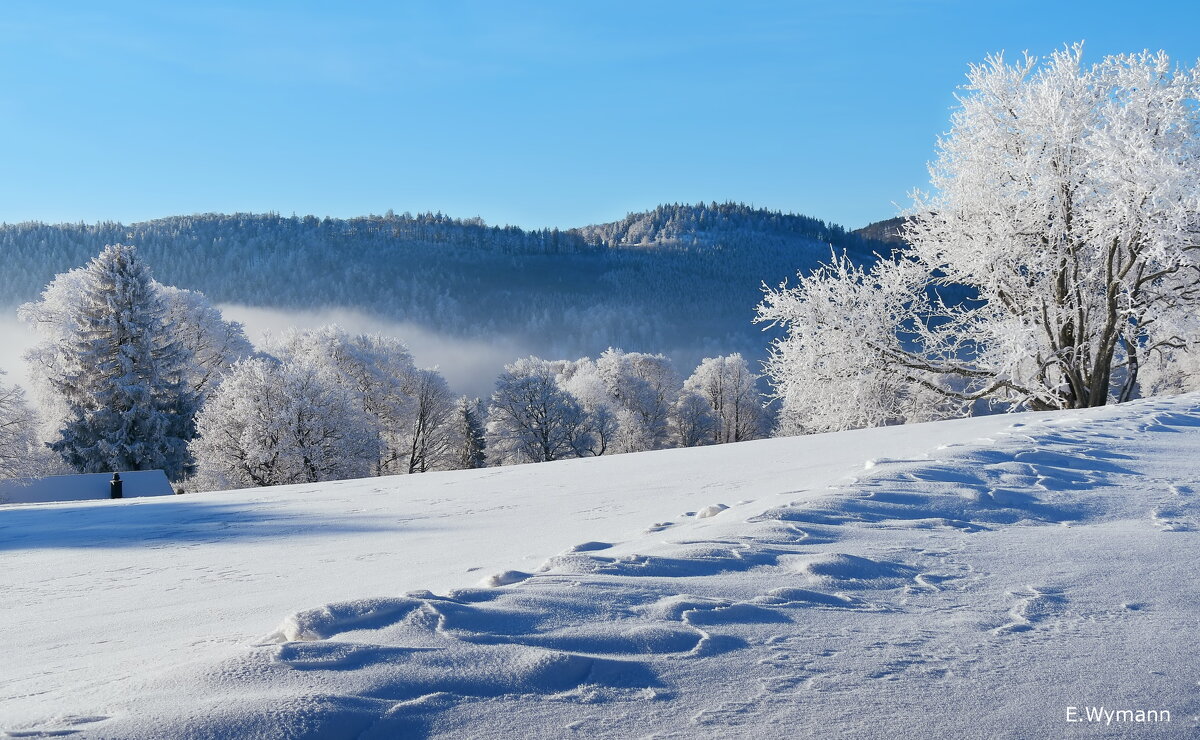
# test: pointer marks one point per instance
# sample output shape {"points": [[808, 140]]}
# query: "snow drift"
{"points": [[982, 579]]}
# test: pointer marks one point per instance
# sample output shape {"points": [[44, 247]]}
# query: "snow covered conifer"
{"points": [[469, 434], [212, 343], [120, 374]]}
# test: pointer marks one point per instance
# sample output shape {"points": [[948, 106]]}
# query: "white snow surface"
{"points": [[983, 576]]}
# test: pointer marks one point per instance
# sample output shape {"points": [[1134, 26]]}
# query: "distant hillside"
{"points": [[887, 231], [724, 225], [565, 292]]}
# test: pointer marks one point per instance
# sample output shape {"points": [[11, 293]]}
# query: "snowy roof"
{"points": [[137, 483]]}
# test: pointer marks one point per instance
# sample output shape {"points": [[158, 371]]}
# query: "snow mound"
{"points": [[711, 511], [851, 571], [805, 597], [591, 546], [505, 578]]}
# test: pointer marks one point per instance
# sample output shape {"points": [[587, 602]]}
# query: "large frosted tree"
{"points": [[117, 372], [213, 343], [628, 397], [1056, 257], [643, 389], [378, 374]]}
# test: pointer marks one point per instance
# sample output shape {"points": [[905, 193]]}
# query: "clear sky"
{"points": [[535, 114]]}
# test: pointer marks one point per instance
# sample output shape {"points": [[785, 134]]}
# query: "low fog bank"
{"points": [[16, 337], [470, 366]]}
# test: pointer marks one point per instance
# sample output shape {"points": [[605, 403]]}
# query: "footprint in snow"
{"points": [[1169, 521], [1035, 604]]}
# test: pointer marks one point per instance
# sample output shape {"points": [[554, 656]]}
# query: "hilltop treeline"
{"points": [[680, 278]]}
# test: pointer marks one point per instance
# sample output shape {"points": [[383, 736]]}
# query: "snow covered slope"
{"points": [[974, 578]]}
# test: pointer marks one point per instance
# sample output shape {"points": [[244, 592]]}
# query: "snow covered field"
{"points": [[972, 578]]}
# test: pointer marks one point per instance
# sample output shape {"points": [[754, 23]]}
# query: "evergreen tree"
{"points": [[122, 375], [472, 446]]}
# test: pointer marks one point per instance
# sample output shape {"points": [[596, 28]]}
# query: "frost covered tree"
{"points": [[411, 408], [1175, 366], [532, 419], [17, 433], [1054, 259], [643, 389], [730, 389], [212, 343], [581, 379], [430, 434], [115, 369], [377, 372], [273, 423], [468, 434], [834, 369], [628, 397], [692, 421]]}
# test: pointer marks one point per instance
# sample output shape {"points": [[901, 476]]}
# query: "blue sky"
{"points": [[535, 114]]}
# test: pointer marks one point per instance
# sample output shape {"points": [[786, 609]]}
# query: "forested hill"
{"points": [[564, 292], [723, 225], [883, 231]]}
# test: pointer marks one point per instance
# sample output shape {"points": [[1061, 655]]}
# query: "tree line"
{"points": [[131, 374], [696, 268]]}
